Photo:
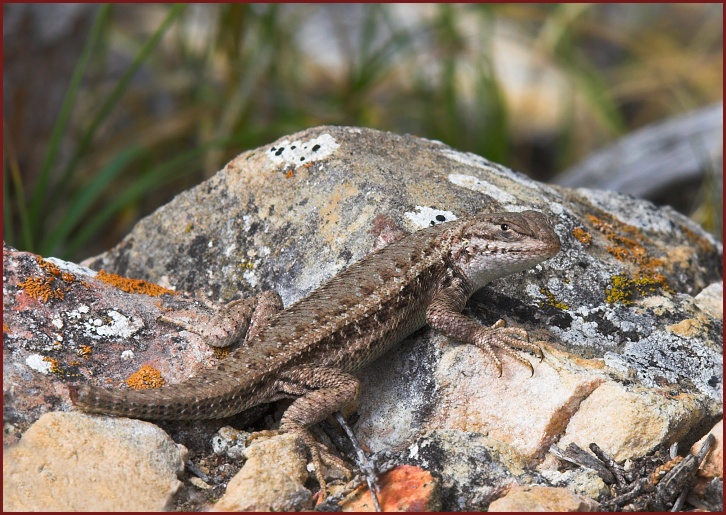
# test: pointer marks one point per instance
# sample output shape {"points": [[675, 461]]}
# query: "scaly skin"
{"points": [[309, 350]]}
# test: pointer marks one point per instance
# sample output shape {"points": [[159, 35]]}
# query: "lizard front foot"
{"points": [[509, 340]]}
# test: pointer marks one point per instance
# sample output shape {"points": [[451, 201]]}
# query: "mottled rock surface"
{"points": [[541, 498], [629, 311], [272, 479]]}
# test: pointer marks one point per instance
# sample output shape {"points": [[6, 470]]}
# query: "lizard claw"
{"points": [[509, 340]]}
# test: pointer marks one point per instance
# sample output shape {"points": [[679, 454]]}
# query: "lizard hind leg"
{"points": [[321, 391]]}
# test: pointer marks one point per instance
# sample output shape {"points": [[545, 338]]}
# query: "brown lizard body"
{"points": [[309, 350]]}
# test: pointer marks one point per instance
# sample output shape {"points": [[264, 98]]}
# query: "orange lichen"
{"points": [[147, 377], [662, 470], [54, 270], [65, 371], [48, 266], [41, 288], [626, 247], [55, 367], [46, 288], [85, 351], [133, 285], [582, 235], [702, 243], [6, 328]]}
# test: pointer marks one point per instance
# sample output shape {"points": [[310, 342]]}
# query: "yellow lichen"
{"points": [[247, 265], [133, 285], [146, 377], [624, 289], [551, 300], [221, 352], [620, 290]]}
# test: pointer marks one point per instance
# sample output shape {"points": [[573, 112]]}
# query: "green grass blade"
{"points": [[40, 193], [11, 170], [84, 201], [113, 98]]}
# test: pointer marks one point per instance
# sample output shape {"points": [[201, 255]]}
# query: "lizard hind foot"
{"points": [[320, 455]]}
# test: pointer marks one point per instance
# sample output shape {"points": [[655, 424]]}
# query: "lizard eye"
{"points": [[504, 227]]}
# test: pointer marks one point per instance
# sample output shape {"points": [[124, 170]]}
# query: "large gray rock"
{"points": [[617, 309]]}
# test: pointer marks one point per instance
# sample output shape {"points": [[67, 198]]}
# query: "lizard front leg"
{"points": [[444, 315], [241, 319]]}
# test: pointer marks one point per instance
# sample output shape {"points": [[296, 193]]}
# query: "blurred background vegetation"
{"points": [[111, 110]]}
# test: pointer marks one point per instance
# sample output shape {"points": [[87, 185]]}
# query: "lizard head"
{"points": [[489, 246]]}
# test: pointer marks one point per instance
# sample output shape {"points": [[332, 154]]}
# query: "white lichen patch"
{"points": [[127, 355], [686, 358], [82, 310], [472, 183], [121, 326], [469, 159], [301, 152], [558, 209], [247, 221], [532, 291], [251, 277], [434, 141], [57, 322], [72, 268], [424, 216], [37, 363]]}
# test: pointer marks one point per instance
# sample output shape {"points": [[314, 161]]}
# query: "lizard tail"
{"points": [[160, 404]]}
